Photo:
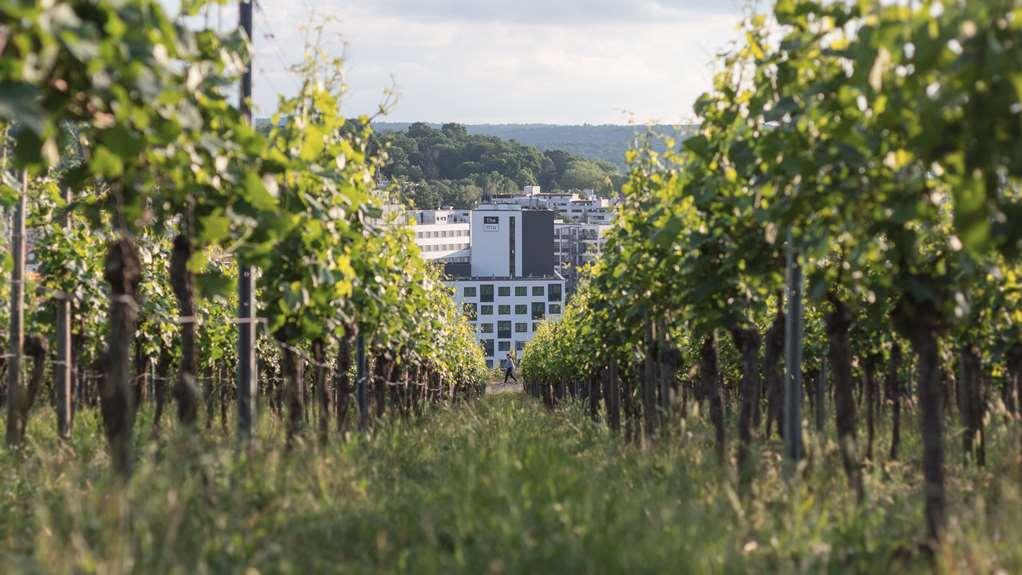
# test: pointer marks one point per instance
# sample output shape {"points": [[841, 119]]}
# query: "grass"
{"points": [[501, 485]]}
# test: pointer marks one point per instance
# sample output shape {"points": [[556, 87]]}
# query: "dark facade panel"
{"points": [[457, 270], [537, 243]]}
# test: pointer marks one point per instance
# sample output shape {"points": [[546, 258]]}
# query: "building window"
{"points": [[488, 347], [519, 345], [486, 293], [504, 329], [535, 327], [470, 291], [503, 346], [537, 290], [486, 328], [521, 309], [504, 291], [470, 310], [503, 310], [521, 291], [555, 309], [538, 310], [554, 293], [521, 327], [486, 310], [489, 364]]}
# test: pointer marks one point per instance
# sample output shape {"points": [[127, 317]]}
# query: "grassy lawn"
{"points": [[498, 486]]}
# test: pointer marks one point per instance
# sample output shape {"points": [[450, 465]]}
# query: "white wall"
{"points": [[450, 242], [491, 241], [517, 338]]}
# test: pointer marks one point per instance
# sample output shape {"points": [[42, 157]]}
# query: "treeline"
{"points": [[449, 167], [602, 143], [873, 149]]}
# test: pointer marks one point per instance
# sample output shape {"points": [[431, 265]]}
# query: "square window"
{"points": [[521, 309], [486, 293], [519, 345], [537, 290], [469, 291], [486, 310], [535, 326], [503, 310], [503, 346], [538, 310], [489, 364], [521, 327], [554, 309], [521, 291], [488, 347], [504, 291], [504, 329], [470, 310], [554, 293], [486, 328]]}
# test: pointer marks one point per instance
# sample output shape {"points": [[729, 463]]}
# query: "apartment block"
{"points": [[576, 245]]}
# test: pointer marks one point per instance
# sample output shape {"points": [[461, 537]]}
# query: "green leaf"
{"points": [[257, 194], [198, 261], [312, 143], [8, 195], [214, 282], [121, 141], [216, 227], [19, 103], [105, 163]]}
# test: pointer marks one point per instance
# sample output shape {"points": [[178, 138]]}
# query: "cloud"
{"points": [[510, 66], [553, 11]]}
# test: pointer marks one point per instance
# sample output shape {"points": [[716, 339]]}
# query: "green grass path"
{"points": [[500, 485]]}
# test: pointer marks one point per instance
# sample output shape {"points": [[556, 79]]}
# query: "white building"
{"points": [[594, 211], [509, 284], [577, 245], [444, 216], [444, 242], [443, 235], [507, 311], [585, 207], [502, 261]]}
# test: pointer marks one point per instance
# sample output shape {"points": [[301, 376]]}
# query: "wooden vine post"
{"points": [[17, 316], [821, 397], [360, 384], [793, 360], [247, 374], [62, 374]]}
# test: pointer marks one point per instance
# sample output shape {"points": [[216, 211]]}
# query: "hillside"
{"points": [[448, 166], [606, 143]]}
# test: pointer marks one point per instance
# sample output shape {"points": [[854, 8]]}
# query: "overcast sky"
{"points": [[506, 61]]}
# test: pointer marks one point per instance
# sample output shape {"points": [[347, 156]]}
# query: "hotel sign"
{"points": [[491, 223]]}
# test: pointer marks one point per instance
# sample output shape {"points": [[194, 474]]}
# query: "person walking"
{"points": [[510, 371]]}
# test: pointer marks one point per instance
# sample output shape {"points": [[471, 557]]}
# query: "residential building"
{"points": [[576, 245], [509, 285], [506, 311], [443, 235], [584, 207], [442, 216]]}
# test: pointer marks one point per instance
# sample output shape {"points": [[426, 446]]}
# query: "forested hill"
{"points": [[448, 166], [607, 142]]}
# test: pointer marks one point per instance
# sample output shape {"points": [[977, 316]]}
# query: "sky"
{"points": [[503, 61]]}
